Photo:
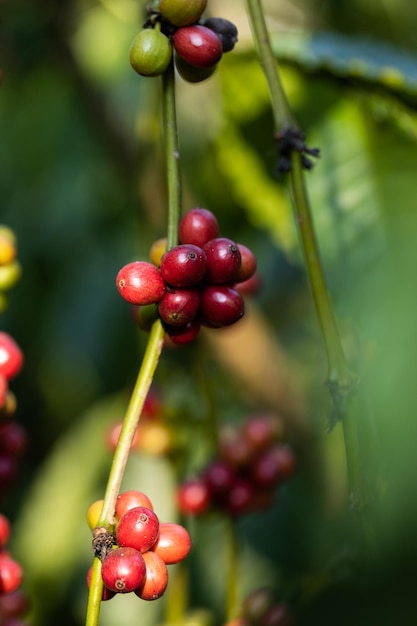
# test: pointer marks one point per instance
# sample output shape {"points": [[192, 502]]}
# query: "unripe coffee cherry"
{"points": [[140, 283], [198, 45], [123, 570], [182, 12], [150, 52]]}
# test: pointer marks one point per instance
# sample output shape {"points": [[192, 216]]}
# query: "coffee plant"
{"points": [[207, 252]]}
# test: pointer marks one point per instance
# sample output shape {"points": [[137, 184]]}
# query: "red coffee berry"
{"points": [[191, 73], [184, 265], [131, 499], [249, 287], [179, 306], [8, 470], [106, 594], [221, 305], [223, 261], [198, 45], [182, 12], [14, 604], [181, 335], [220, 477], [194, 497], [13, 438], [4, 530], [11, 356], [198, 226], [273, 466], [113, 435], [140, 283], [4, 388], [123, 570], [173, 543], [239, 498], [262, 430], [138, 528], [156, 578], [11, 573], [234, 447], [248, 263]]}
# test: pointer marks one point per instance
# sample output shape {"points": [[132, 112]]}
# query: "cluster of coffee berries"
{"points": [[13, 601], [252, 462], [176, 27], [195, 283], [153, 434], [136, 557], [259, 608], [9, 266]]}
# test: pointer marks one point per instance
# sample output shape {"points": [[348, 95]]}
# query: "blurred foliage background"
{"points": [[82, 185]]}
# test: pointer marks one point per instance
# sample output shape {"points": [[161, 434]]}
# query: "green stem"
{"points": [[153, 349], [232, 547], [172, 154]]}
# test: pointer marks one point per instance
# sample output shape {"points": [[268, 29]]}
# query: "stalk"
{"points": [[152, 351]]}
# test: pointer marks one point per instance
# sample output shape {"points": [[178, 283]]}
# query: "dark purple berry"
{"points": [[184, 265], [179, 306], [225, 30], [221, 305], [223, 261]]}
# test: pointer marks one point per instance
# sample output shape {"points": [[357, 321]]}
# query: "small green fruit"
{"points": [[182, 12], [150, 52]]}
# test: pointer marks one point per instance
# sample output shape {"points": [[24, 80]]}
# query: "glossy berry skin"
{"points": [[173, 543], [138, 528], [223, 261], [93, 513], [156, 578], [181, 335], [182, 12], [123, 570], [179, 306], [221, 305], [140, 282], [191, 73], [194, 497], [225, 30], [11, 356], [150, 52], [11, 573], [131, 499], [184, 265], [198, 226], [198, 45]]}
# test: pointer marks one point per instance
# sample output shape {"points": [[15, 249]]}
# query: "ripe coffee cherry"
{"points": [[273, 466], [181, 335], [234, 448], [194, 497], [150, 52], [184, 265], [131, 499], [140, 283], [123, 570], [239, 498], [173, 543], [220, 477], [106, 594], [182, 12], [248, 263], [4, 530], [8, 470], [221, 305], [11, 357], [198, 226], [11, 573], [156, 578], [223, 261], [261, 430], [179, 306], [198, 45], [225, 30], [138, 528], [191, 73], [13, 438]]}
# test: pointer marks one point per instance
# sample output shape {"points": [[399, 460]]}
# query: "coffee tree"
{"points": [[206, 398]]}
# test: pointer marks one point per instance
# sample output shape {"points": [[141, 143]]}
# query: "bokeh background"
{"points": [[82, 185]]}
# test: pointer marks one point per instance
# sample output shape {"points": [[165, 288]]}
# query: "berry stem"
{"points": [[341, 381], [153, 347], [172, 154]]}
